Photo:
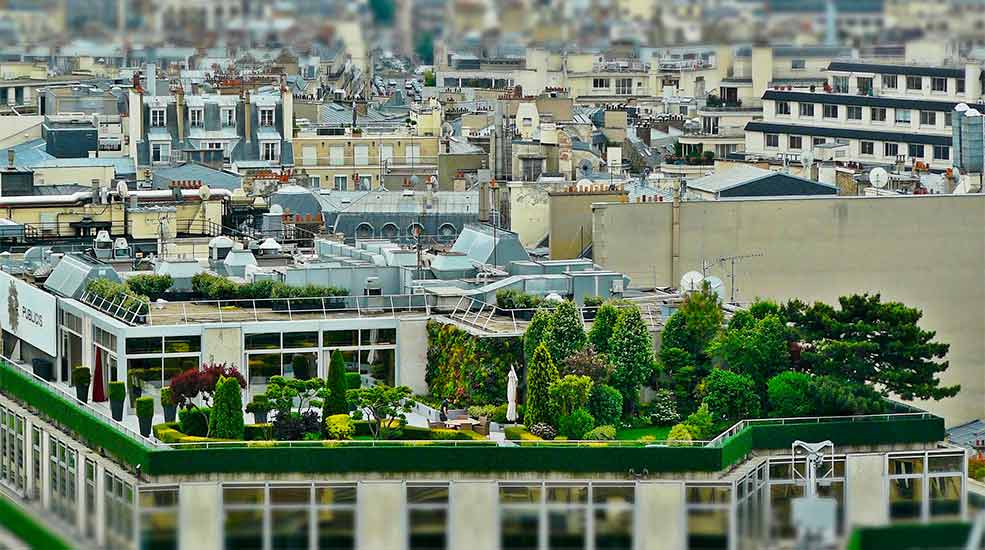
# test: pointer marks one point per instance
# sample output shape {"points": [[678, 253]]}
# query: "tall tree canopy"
{"points": [[565, 334], [631, 353]]}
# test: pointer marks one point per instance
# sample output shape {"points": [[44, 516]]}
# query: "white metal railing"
{"points": [[277, 309], [72, 398], [116, 308], [742, 424], [480, 314], [329, 443]]}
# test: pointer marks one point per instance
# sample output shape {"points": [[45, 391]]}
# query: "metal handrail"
{"points": [[742, 424], [461, 313], [329, 443], [88, 407]]}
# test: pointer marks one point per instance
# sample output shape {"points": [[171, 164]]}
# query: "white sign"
{"points": [[30, 313]]}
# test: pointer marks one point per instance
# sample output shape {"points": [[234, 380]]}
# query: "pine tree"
{"points": [[601, 331], [226, 418], [565, 334], [541, 374], [336, 402], [534, 334], [631, 353]]}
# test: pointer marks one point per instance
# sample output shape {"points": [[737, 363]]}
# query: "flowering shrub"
{"points": [[543, 431]]}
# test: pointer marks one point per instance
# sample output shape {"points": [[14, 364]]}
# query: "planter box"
{"points": [[117, 408], [170, 412], [82, 393]]}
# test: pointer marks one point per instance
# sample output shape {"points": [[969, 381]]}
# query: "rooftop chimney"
{"points": [[151, 79], [246, 114], [10, 158], [179, 96]]}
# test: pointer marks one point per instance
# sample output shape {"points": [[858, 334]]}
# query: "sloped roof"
{"points": [[785, 184]]}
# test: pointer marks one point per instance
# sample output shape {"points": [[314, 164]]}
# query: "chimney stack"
{"points": [[152, 79], [247, 115], [10, 158], [179, 96]]}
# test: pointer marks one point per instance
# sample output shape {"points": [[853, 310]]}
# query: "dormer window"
{"points": [[266, 117], [228, 116], [196, 118], [158, 117]]}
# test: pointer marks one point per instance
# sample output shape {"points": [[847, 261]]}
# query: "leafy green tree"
{"points": [[569, 393], [536, 330], [684, 382], [385, 407], [700, 319], [760, 309], [664, 408], [226, 418], [880, 343], [429, 78], [335, 401], [576, 424], [605, 404], [790, 394], [601, 331], [730, 396], [631, 353], [565, 334], [541, 374], [680, 432], [700, 423], [759, 351], [835, 396], [587, 363]]}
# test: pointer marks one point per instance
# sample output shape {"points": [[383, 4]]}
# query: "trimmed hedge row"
{"points": [[860, 432], [910, 537], [23, 526], [96, 432]]}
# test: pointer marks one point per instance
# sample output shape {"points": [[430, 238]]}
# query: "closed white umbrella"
{"points": [[511, 396]]}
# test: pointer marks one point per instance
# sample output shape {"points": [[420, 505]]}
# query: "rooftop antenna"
{"points": [[731, 260], [814, 517]]}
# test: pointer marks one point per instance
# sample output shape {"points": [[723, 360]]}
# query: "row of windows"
{"points": [[854, 112], [863, 84], [624, 86], [361, 155], [196, 117], [867, 148]]}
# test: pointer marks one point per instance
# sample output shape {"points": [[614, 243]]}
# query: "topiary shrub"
{"points": [[336, 401], [117, 391], [488, 411], [570, 393], [664, 408], [605, 404], [730, 396], [574, 425], [293, 426], [353, 380], [601, 433], [519, 433], [565, 334], [81, 376], [258, 432], [167, 396], [145, 407], [543, 431], [700, 423], [680, 433], [301, 367], [339, 426], [226, 420], [194, 421]]}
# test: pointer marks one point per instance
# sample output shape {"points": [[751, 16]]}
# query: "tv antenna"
{"points": [[731, 261]]}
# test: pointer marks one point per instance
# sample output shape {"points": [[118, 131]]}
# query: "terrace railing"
{"points": [[885, 417], [494, 319], [129, 308]]}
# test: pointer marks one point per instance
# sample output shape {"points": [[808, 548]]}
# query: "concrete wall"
{"points": [[570, 227], [925, 251], [661, 500], [412, 346], [223, 345], [866, 491], [200, 515]]}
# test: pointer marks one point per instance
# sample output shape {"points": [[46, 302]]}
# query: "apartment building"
{"points": [[871, 113]]}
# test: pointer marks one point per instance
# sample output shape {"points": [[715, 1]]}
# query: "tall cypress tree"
{"points": [[336, 402], [226, 418], [631, 353], [565, 334], [541, 373]]}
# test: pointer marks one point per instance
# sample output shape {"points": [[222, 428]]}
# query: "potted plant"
{"points": [[167, 403], [81, 377], [145, 414], [117, 395], [259, 406]]}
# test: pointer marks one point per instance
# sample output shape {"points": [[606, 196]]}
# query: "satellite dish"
{"points": [[585, 166], [717, 286], [879, 177], [554, 297], [204, 192], [122, 190], [691, 281], [807, 159]]}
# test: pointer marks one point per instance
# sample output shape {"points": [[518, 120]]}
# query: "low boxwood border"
{"points": [[910, 537], [22, 525]]}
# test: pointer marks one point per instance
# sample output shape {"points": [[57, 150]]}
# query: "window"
{"points": [[903, 116], [624, 86], [807, 109], [365, 183], [830, 111], [914, 83], [600, 83], [772, 140], [289, 354], [864, 85], [314, 181], [947, 119], [878, 114], [819, 141], [336, 156], [309, 155], [158, 118], [938, 84], [915, 150], [782, 108], [794, 142], [228, 117], [786, 484], [340, 183], [840, 84], [160, 152], [889, 81], [798, 64], [928, 118], [158, 517], [266, 117], [924, 486], [707, 513], [118, 499], [413, 153], [196, 118], [959, 85], [890, 149], [361, 155], [268, 150], [12, 449], [566, 515], [427, 516], [386, 153], [867, 147], [89, 498], [853, 112], [153, 361], [942, 152]]}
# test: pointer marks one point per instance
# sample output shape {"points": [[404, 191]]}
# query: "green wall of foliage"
{"points": [[468, 370]]}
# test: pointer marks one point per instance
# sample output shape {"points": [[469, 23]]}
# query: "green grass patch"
{"points": [[658, 433]]}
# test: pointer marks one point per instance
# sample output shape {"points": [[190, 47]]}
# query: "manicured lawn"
{"points": [[658, 432]]}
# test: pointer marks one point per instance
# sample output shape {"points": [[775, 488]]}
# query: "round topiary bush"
{"points": [[605, 404], [339, 426], [145, 407], [574, 425], [226, 420]]}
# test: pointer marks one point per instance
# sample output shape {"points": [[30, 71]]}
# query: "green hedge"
{"points": [[97, 434], [23, 526], [860, 432], [910, 537]]}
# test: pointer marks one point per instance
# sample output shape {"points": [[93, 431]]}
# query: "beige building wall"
{"points": [[571, 225], [866, 491], [529, 212], [926, 252], [317, 157], [81, 175]]}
